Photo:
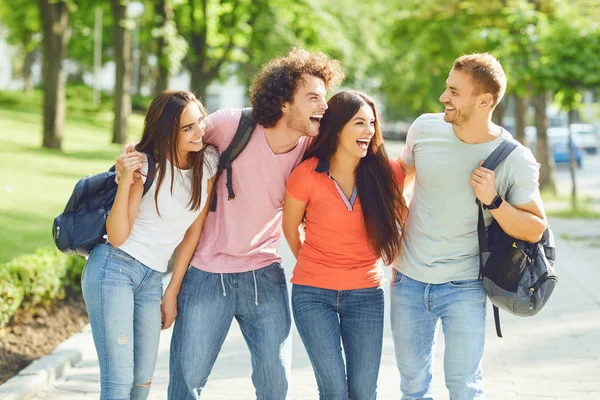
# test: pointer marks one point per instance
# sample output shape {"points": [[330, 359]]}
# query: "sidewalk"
{"points": [[554, 355]]}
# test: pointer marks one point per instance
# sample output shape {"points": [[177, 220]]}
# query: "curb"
{"points": [[44, 371], [41, 373]]}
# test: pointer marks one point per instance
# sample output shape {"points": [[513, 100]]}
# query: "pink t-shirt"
{"points": [[243, 234]]}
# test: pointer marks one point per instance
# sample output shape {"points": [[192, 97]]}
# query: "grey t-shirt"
{"points": [[440, 234]]}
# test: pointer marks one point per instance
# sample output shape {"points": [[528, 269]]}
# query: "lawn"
{"points": [[35, 183]]}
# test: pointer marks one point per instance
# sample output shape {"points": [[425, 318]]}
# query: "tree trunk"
{"points": [[199, 83], [165, 10], [572, 166], [122, 92], [55, 25], [498, 115], [543, 152], [27, 64], [520, 118]]}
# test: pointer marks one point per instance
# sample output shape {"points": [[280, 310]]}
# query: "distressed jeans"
{"points": [[206, 306], [123, 296]]}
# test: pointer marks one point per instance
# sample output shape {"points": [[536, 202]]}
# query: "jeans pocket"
{"points": [[397, 277], [120, 255], [275, 274]]}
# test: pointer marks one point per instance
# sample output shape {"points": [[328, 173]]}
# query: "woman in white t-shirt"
{"points": [[122, 280]]}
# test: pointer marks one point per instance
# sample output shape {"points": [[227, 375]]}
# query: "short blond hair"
{"points": [[487, 73]]}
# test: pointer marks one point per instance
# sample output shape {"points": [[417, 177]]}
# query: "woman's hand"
{"points": [[127, 164], [168, 308]]}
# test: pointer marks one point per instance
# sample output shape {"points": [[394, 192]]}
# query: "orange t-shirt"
{"points": [[335, 254]]}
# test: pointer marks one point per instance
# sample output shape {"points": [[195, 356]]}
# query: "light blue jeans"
{"points": [[416, 308], [207, 304], [123, 297], [325, 318]]}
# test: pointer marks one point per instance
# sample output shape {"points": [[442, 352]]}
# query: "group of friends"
{"points": [[316, 171]]}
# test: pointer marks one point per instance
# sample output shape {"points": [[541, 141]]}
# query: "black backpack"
{"points": [[238, 144], [82, 224], [518, 277]]}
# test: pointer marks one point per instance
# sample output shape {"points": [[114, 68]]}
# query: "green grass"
{"points": [[560, 206], [581, 213], [36, 183], [591, 240], [549, 197]]}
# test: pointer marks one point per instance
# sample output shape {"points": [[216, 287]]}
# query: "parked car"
{"points": [[558, 138], [588, 137]]}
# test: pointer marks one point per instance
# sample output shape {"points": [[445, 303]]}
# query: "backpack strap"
{"points": [[149, 177], [151, 173], [498, 155], [242, 136]]}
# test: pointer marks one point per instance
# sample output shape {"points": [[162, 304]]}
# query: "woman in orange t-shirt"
{"points": [[348, 194]]}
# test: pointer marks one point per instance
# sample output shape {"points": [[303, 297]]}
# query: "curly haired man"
{"points": [[234, 271]]}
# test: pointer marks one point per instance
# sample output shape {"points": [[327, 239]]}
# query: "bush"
{"points": [[38, 278], [42, 275], [74, 270], [11, 296]]}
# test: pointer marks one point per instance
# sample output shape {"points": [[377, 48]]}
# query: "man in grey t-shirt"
{"points": [[436, 274]]}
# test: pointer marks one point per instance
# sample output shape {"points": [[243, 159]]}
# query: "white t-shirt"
{"points": [[440, 234], [154, 237]]}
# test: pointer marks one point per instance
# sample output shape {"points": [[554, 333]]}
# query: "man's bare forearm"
{"points": [[520, 224]]}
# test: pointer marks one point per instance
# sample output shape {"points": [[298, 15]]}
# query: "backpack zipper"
{"points": [[542, 279]]}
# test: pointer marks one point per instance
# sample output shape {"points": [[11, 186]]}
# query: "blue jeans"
{"points": [[416, 308], [122, 296], [355, 317], [206, 306]]}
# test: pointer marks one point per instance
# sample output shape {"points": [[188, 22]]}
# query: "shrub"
{"points": [[75, 266], [42, 275], [39, 278], [11, 296]]}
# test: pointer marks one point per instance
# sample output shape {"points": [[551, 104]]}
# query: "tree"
{"points": [[55, 24], [122, 51], [213, 30], [22, 19], [425, 37], [572, 46], [171, 47]]}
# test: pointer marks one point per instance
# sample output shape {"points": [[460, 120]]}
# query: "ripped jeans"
{"points": [[123, 297]]}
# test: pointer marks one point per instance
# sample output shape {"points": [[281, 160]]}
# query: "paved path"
{"points": [[554, 355]]}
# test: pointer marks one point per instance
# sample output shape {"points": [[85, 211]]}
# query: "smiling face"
{"points": [[355, 137], [191, 131], [305, 112], [459, 98]]}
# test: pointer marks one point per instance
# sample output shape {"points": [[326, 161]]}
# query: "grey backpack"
{"points": [[518, 277]]}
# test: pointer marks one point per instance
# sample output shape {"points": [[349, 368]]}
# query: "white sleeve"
{"points": [[211, 161]]}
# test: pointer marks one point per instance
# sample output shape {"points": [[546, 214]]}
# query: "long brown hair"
{"points": [[161, 135], [379, 195]]}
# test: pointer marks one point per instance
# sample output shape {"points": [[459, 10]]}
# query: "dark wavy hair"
{"points": [[160, 137], [379, 195], [277, 81]]}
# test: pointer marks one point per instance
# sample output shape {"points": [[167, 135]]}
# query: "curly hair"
{"points": [[277, 81]]}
